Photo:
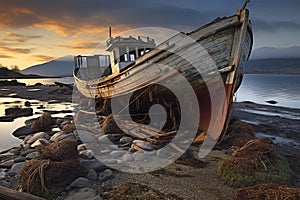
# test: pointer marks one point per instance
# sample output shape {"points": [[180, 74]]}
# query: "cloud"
{"points": [[20, 37], [17, 50], [83, 45], [5, 56], [42, 57], [274, 26]]}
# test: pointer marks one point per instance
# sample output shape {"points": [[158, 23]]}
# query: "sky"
{"points": [[35, 31]]}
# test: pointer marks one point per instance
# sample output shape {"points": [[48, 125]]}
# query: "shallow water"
{"points": [[7, 140], [259, 88]]}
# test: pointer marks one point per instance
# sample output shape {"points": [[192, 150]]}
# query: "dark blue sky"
{"points": [[33, 27]]}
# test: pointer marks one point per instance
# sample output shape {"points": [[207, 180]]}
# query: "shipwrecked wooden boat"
{"points": [[133, 68]]}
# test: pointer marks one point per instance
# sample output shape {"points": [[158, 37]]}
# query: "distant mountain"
{"points": [[271, 66], [60, 67], [274, 60], [8, 74], [271, 52]]}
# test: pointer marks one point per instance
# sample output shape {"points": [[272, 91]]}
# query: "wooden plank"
{"points": [[9, 194]]}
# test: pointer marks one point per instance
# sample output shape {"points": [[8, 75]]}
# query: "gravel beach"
{"points": [[177, 181]]}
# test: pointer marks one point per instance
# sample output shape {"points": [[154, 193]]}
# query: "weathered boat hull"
{"points": [[228, 42]]}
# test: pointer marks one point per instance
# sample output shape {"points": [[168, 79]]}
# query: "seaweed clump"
{"points": [[267, 191], [55, 168], [255, 162]]}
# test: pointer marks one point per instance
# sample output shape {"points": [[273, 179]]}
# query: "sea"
{"points": [[258, 88]]}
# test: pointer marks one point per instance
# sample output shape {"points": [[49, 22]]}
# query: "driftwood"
{"points": [[9, 194]]}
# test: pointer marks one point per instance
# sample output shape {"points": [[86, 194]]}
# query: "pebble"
{"points": [[39, 142], [87, 154], [32, 155], [81, 147], [61, 136], [117, 154], [28, 151], [4, 184], [104, 176], [19, 159], [80, 182], [93, 164], [27, 138], [104, 139], [92, 175], [83, 194], [86, 136], [7, 164], [16, 167], [144, 145], [114, 137], [37, 136], [125, 140]]}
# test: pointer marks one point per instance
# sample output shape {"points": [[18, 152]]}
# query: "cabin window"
{"points": [[132, 53], [141, 52], [123, 54]]}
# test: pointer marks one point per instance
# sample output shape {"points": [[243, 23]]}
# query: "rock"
{"points": [[13, 110], [32, 155], [18, 112], [132, 150], [19, 159], [7, 119], [27, 138], [69, 128], [104, 176], [92, 175], [272, 102], [144, 145], [4, 184], [93, 164], [114, 137], [7, 164], [27, 103], [104, 139], [81, 147], [80, 182], [86, 154], [28, 151], [11, 174], [125, 140], [16, 167], [59, 121], [39, 142], [23, 131], [43, 122], [83, 194], [61, 136], [38, 136], [117, 154]]}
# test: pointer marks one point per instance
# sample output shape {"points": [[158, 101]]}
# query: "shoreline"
{"points": [[173, 178]]}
